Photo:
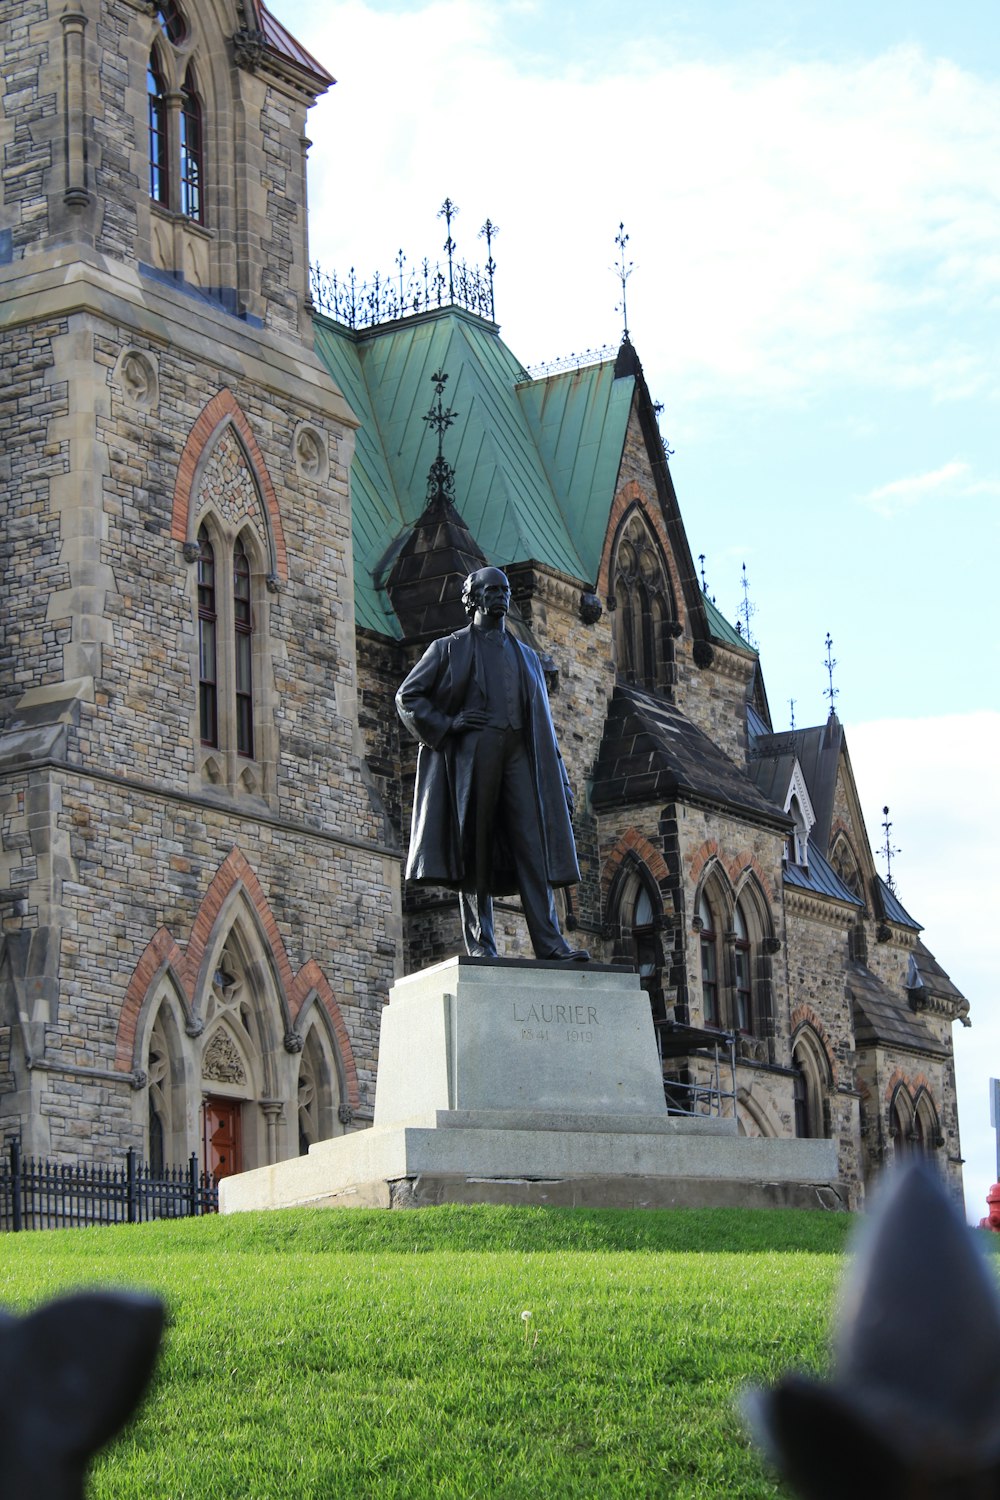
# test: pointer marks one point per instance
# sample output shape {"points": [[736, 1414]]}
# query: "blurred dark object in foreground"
{"points": [[70, 1376], [913, 1406]]}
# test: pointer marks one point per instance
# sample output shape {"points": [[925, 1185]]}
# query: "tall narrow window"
{"points": [[208, 624], [744, 987], [643, 627], [709, 966], [159, 177], [243, 629], [192, 151]]}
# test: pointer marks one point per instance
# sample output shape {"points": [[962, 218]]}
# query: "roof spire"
{"points": [[791, 705], [624, 271], [447, 211], [747, 611], [888, 850], [830, 692], [490, 232]]}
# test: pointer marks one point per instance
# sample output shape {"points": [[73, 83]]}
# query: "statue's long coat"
{"points": [[447, 678]]}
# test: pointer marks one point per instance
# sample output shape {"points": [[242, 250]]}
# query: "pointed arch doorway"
{"points": [[222, 1137]]}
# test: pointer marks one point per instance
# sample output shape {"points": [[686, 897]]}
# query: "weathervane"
{"points": [[441, 477], [624, 272], [830, 692], [888, 850], [490, 231], [447, 211], [746, 612]]}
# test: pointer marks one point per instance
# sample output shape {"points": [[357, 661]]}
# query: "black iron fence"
{"points": [[48, 1195]]}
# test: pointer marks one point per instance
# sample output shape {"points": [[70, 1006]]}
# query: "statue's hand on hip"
{"points": [[468, 718]]}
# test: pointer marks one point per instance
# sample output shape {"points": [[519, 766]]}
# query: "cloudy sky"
{"points": [[812, 199]]}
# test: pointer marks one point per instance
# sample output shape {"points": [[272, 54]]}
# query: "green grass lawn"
{"points": [[355, 1353]]}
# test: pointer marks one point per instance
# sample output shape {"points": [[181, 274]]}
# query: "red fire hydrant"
{"points": [[992, 1220]]}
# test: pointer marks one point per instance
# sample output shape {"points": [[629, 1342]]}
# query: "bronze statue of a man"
{"points": [[492, 803]]}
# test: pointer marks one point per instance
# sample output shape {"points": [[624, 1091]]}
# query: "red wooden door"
{"points": [[223, 1153]]}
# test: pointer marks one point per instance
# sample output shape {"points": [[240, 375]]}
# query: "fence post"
{"points": [[15, 1183], [193, 1183], [133, 1207]]}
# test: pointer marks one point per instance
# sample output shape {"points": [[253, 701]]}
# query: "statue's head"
{"points": [[487, 589]]}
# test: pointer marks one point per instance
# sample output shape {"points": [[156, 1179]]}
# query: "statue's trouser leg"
{"points": [[504, 794], [477, 922]]}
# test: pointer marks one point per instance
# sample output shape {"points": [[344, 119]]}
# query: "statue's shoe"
{"points": [[569, 955]]}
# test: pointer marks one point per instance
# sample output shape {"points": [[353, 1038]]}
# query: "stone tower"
{"points": [[200, 913]]}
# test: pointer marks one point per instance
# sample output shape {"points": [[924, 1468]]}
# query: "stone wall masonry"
{"points": [[133, 864], [31, 643], [815, 959], [27, 121]]}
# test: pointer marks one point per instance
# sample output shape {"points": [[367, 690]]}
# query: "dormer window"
{"points": [[800, 810]]}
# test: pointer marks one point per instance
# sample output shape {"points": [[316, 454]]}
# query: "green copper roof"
{"points": [[535, 461], [721, 628]]}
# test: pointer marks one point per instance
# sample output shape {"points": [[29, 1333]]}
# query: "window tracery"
{"points": [[645, 616]]}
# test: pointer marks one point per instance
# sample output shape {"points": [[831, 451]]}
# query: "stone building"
{"points": [[200, 906], [228, 531]]}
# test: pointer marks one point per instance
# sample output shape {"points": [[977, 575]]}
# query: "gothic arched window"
{"points": [[208, 623], [171, 21], [226, 644], [644, 609], [192, 152], [710, 966], [243, 649], [812, 1080], [159, 151]]}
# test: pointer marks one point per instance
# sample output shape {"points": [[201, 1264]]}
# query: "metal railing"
{"points": [[37, 1194]]}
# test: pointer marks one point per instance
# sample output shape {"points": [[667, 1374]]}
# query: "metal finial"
{"points": [[624, 271], [747, 611], [400, 263], [447, 211], [704, 585], [441, 477], [791, 705], [437, 419], [888, 850], [830, 692], [490, 232]]}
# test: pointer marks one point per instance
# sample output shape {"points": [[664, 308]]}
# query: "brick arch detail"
{"points": [[631, 497], [633, 842], [804, 1015], [700, 858], [912, 1087], [185, 965], [224, 408], [737, 867], [310, 980]]}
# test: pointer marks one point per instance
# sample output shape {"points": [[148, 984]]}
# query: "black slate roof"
{"points": [[425, 581], [821, 878], [894, 909], [881, 1016], [927, 977], [818, 753], [650, 752]]}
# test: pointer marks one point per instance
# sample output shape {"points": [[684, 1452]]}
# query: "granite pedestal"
{"points": [[526, 1082]]}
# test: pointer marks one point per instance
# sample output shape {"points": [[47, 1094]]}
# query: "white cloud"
{"points": [[785, 218], [941, 780], [952, 481]]}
